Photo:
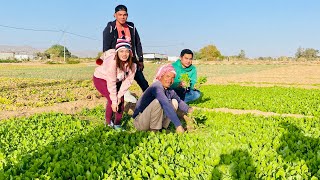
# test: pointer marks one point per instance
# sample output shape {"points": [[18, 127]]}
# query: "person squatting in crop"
{"points": [[113, 78], [158, 104]]}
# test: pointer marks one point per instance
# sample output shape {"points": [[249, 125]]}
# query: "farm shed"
{"points": [[6, 55], [154, 56]]}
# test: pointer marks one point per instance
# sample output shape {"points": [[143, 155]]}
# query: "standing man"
{"points": [[121, 28], [185, 90]]}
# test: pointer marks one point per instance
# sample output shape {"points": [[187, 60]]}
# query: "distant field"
{"points": [[85, 71], [304, 75], [47, 71]]}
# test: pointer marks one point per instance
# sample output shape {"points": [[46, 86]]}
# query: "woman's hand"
{"points": [[119, 101], [114, 107]]}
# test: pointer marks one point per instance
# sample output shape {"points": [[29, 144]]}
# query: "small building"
{"points": [[24, 56], [17, 52], [15, 55], [6, 55], [154, 56]]}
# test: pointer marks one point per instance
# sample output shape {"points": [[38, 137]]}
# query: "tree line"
{"points": [[211, 53], [207, 53]]}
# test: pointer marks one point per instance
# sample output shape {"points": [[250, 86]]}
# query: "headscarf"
{"points": [[164, 69]]}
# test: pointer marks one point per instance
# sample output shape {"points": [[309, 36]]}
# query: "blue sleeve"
{"points": [[167, 106]]}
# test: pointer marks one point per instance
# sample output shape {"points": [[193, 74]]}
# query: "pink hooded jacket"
{"points": [[109, 72]]}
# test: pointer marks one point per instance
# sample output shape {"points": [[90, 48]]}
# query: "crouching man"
{"points": [[158, 104]]}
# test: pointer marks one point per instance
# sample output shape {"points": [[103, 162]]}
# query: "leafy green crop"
{"points": [[186, 79], [225, 146], [201, 80], [269, 99]]}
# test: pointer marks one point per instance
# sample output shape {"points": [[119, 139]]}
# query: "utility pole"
{"points": [[64, 53], [64, 47]]}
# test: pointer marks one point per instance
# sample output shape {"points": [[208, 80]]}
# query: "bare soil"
{"points": [[303, 76], [66, 107], [254, 112]]}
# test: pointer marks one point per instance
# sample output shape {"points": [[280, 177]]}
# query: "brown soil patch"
{"points": [[304, 76], [67, 108]]}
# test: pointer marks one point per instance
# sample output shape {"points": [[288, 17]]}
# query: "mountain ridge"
{"points": [[26, 49]]}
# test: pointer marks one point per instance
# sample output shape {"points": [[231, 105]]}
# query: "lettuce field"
{"points": [[56, 145]]}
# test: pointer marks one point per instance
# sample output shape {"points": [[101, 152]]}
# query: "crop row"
{"points": [[269, 99], [223, 146]]}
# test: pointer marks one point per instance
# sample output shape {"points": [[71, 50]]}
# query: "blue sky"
{"points": [[261, 28]]}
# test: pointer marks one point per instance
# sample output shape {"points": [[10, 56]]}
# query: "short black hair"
{"points": [[120, 8], [186, 51]]}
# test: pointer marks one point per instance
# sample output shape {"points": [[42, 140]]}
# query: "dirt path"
{"points": [[254, 112], [303, 76], [67, 107]]}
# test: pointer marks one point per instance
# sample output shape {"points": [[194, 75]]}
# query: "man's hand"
{"points": [[179, 129], [190, 110], [114, 107], [182, 84], [196, 86], [140, 66]]}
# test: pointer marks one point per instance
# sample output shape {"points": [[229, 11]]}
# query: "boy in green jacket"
{"points": [[186, 77]]}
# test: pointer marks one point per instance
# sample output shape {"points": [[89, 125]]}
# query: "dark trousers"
{"points": [[141, 80], [181, 92]]}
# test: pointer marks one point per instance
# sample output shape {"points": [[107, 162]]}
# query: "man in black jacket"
{"points": [[121, 28]]}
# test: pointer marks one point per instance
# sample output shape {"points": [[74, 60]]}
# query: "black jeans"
{"points": [[181, 92], [141, 80]]}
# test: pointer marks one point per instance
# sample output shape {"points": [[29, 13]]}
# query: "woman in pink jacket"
{"points": [[113, 78]]}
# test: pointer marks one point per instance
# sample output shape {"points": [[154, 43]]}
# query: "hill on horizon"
{"points": [[31, 50]]}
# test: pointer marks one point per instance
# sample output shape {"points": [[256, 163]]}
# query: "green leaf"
{"points": [[161, 170]]}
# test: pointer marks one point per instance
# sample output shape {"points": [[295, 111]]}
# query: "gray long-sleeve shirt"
{"points": [[164, 96]]}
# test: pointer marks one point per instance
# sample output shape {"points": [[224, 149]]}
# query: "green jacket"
{"points": [[191, 71]]}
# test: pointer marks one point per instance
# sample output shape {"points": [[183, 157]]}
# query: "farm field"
{"points": [[52, 126]]}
